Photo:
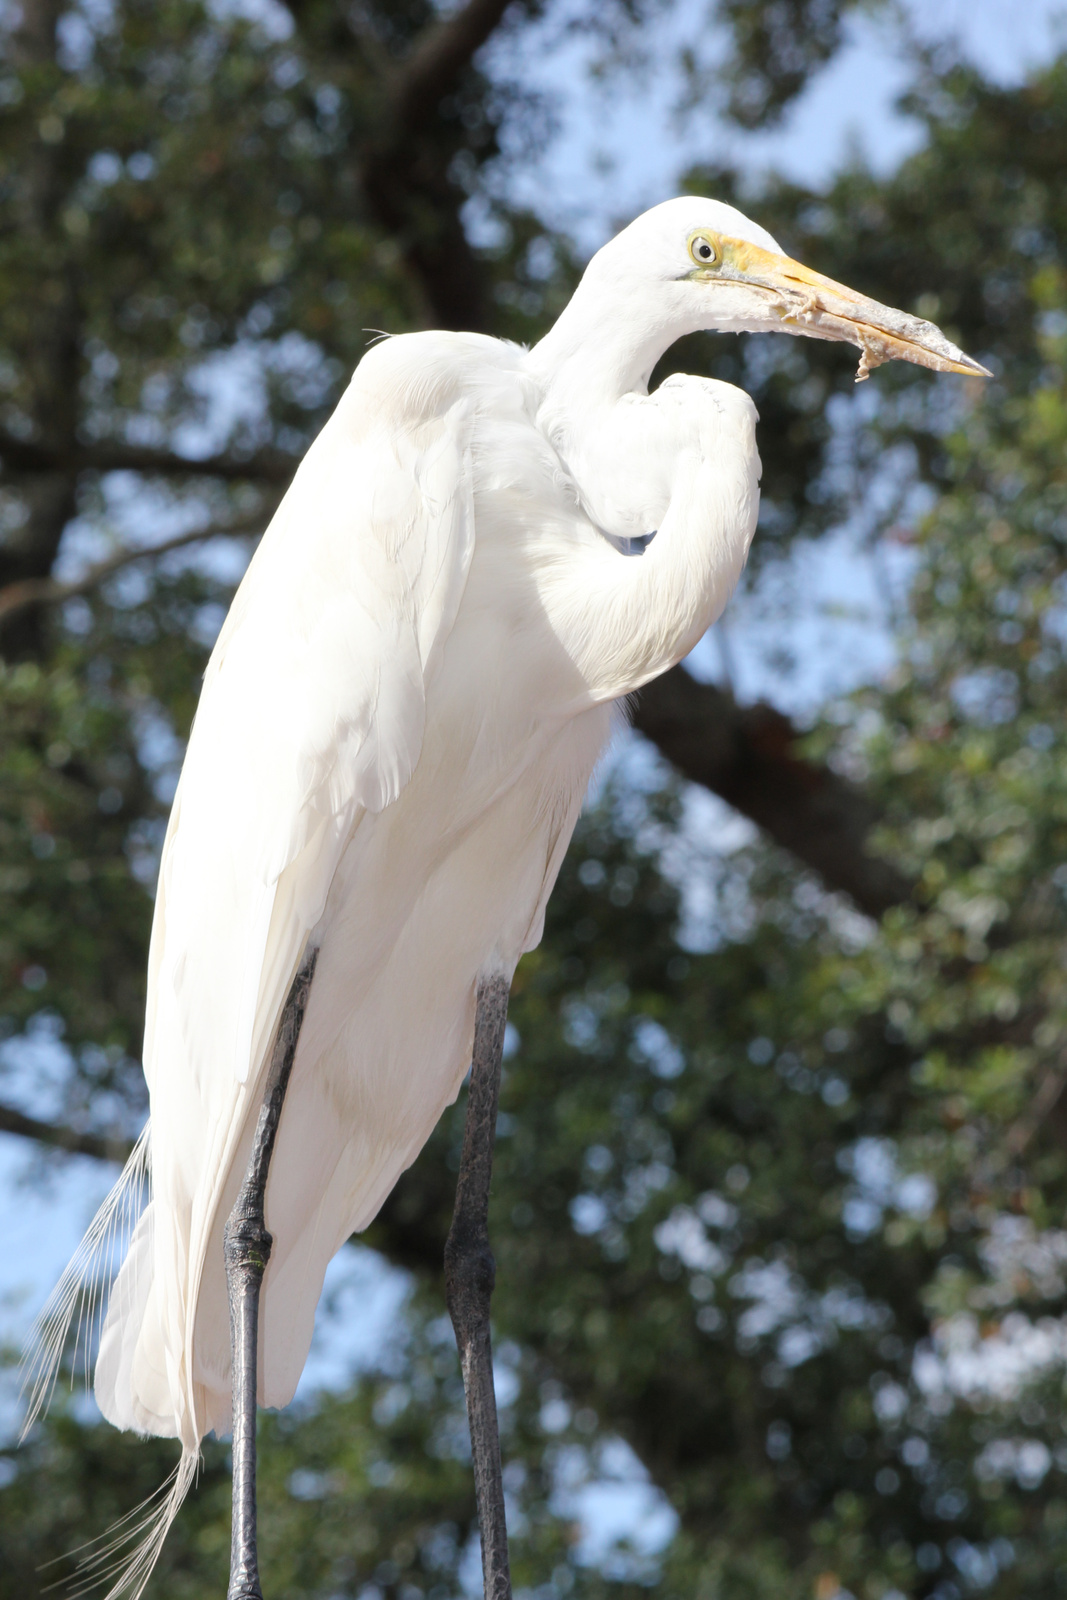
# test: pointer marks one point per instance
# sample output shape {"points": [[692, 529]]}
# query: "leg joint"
{"points": [[247, 1243]]}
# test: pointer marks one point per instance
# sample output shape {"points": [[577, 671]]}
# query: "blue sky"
{"points": [[620, 147]]}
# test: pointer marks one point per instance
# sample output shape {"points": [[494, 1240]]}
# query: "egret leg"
{"points": [[248, 1247], [470, 1273]]}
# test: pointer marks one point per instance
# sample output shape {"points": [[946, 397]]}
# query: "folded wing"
{"points": [[312, 714]]}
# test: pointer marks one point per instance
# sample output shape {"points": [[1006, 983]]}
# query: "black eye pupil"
{"points": [[704, 251]]}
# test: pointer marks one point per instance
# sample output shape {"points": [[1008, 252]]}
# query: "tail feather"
{"points": [[80, 1291], [110, 1558], [123, 1556]]}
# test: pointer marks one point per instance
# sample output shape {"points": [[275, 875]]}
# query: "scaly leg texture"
{"points": [[470, 1273], [248, 1246]]}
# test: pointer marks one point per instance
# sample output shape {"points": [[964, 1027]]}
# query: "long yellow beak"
{"points": [[805, 302]]}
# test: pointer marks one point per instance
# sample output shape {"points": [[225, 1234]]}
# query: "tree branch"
{"points": [[26, 455], [406, 176], [437, 61], [16, 597], [748, 756], [103, 1146]]}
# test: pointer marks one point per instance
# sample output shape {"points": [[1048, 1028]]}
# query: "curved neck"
{"points": [[690, 460], [625, 619], [604, 344], [583, 356]]}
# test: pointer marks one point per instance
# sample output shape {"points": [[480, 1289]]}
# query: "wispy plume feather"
{"points": [[81, 1291]]}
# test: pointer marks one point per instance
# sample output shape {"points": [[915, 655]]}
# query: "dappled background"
{"points": [[780, 1189]]}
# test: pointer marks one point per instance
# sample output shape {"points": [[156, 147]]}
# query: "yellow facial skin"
{"points": [[806, 302]]}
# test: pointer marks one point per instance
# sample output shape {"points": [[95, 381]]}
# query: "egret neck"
{"points": [[681, 463]]}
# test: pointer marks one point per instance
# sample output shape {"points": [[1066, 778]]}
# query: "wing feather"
{"points": [[312, 713]]}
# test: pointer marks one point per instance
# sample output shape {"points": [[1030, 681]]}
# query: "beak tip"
{"points": [[967, 367]]}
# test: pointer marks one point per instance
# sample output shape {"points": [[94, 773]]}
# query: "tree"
{"points": [[752, 1197]]}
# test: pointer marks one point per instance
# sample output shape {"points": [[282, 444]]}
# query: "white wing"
{"points": [[312, 713]]}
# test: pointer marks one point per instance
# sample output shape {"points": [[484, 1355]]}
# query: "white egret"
{"points": [[397, 727]]}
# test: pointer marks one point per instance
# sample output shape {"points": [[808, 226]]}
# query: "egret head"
{"points": [[705, 265]]}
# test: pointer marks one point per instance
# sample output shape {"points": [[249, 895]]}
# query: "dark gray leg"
{"points": [[470, 1273], [248, 1246]]}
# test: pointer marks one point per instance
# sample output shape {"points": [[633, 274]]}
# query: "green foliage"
{"points": [[748, 1275], [768, 1204], [776, 50]]}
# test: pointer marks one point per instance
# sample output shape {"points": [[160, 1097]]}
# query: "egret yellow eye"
{"points": [[704, 250]]}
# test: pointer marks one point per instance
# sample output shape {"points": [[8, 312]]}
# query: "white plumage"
{"points": [[396, 730]]}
